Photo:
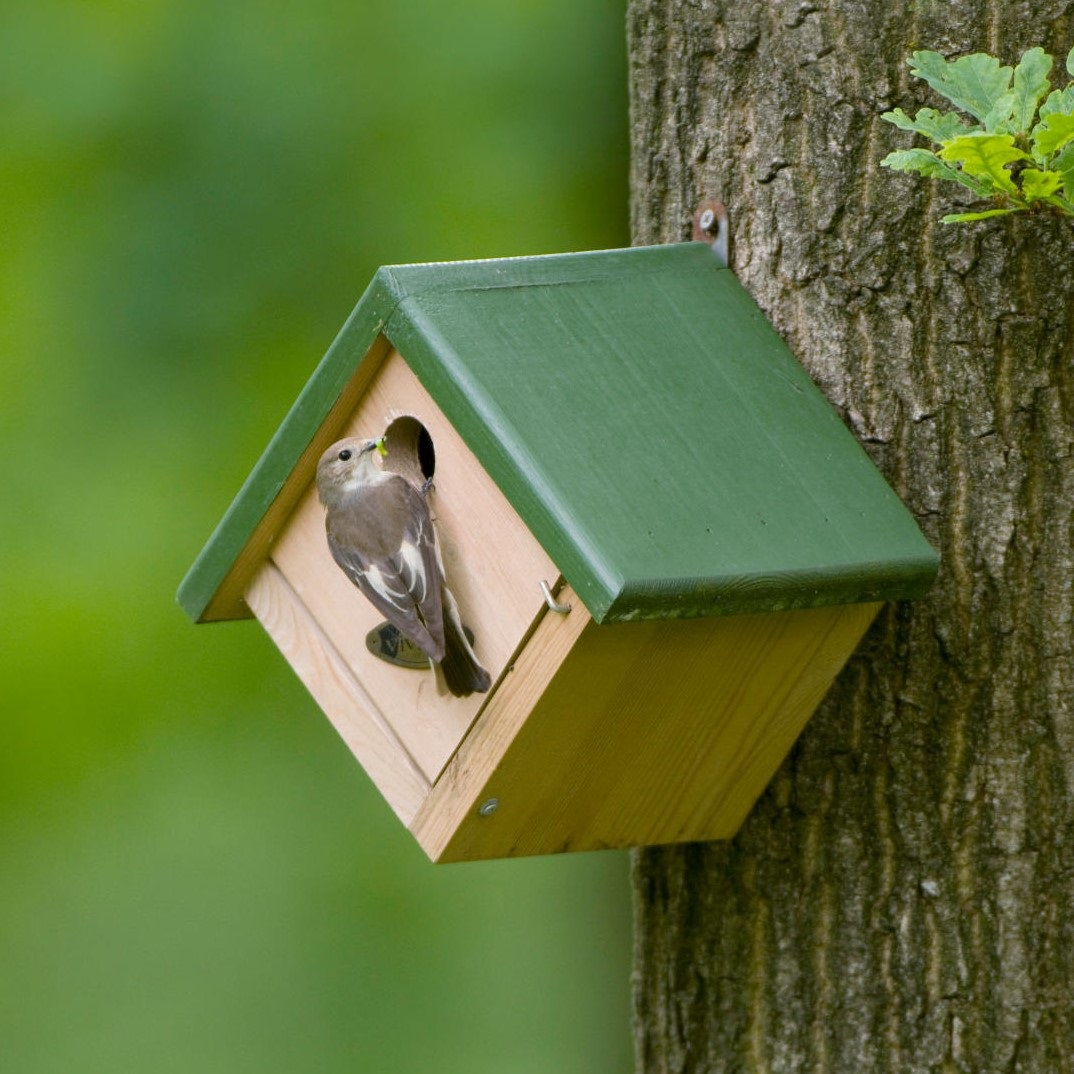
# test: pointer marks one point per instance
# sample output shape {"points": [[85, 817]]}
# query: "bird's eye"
{"points": [[345, 454]]}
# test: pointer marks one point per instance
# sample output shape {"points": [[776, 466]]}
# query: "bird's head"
{"points": [[346, 464]]}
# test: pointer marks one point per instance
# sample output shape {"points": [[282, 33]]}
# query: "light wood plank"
{"points": [[650, 733], [328, 678]]}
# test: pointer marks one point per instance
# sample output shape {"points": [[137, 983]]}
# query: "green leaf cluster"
{"points": [[1017, 148]]}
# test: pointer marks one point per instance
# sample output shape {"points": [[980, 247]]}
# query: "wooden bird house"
{"points": [[626, 428]]}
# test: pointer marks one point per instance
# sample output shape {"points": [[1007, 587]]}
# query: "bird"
{"points": [[380, 533]]}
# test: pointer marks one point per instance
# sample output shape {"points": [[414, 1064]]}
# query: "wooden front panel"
{"points": [[651, 732], [493, 564]]}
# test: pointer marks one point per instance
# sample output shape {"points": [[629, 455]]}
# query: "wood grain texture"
{"points": [[640, 733], [901, 900], [340, 695], [494, 568]]}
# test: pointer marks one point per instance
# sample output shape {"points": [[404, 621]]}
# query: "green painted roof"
{"points": [[644, 419]]}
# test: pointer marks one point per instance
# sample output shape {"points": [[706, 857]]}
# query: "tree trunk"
{"points": [[902, 897]]}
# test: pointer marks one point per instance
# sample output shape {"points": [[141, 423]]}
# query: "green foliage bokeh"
{"points": [[196, 874]]}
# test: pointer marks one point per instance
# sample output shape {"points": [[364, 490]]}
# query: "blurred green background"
{"points": [[195, 876]]}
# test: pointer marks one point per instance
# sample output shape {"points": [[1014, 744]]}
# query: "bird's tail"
{"points": [[463, 675]]}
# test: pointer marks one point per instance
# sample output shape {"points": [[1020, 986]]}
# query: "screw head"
{"points": [[488, 807], [706, 220]]}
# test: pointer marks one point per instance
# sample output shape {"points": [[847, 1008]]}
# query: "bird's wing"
{"points": [[404, 583], [421, 557]]}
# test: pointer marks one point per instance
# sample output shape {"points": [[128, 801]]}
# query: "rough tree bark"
{"points": [[902, 897]]}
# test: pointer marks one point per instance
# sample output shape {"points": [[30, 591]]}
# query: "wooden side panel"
{"points": [[651, 732], [498, 593], [328, 678]]}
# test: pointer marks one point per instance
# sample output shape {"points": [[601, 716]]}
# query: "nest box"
{"points": [[625, 427]]}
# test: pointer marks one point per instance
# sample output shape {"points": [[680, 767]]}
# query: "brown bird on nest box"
{"points": [[381, 535]]}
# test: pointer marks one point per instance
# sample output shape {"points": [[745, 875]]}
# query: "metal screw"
{"points": [[488, 807], [707, 219]]}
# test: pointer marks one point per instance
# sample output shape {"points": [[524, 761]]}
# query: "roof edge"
{"points": [[432, 277], [851, 583], [262, 488]]}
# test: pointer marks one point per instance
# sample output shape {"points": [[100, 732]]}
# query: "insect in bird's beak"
{"points": [[380, 445]]}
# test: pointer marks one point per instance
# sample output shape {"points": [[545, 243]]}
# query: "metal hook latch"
{"points": [[551, 601]]}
